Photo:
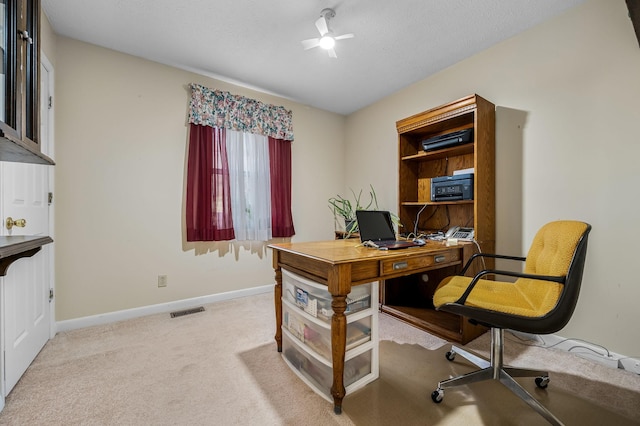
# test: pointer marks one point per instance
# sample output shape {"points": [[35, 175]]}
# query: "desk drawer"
{"points": [[411, 263]]}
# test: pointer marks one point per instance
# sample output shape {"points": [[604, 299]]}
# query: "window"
{"points": [[248, 157], [239, 168]]}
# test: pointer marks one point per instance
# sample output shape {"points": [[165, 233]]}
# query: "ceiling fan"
{"points": [[326, 40]]}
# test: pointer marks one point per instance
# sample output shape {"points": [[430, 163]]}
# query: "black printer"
{"points": [[452, 188]]}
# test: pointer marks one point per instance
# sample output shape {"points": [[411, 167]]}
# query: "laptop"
{"points": [[376, 230]]}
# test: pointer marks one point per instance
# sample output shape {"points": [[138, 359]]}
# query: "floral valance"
{"points": [[222, 109]]}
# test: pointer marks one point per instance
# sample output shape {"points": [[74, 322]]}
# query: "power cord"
{"points": [[484, 265], [606, 355], [415, 227]]}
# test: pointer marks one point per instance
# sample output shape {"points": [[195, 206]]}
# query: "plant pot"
{"points": [[350, 225]]}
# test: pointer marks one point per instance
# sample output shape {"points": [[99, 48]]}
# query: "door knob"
{"points": [[21, 223]]}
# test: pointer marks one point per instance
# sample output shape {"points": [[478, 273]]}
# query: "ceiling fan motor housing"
{"points": [[328, 13]]}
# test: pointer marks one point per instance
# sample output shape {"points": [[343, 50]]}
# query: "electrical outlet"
{"points": [[162, 280]]}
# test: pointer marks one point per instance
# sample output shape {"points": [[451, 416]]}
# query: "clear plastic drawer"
{"points": [[318, 374], [314, 298], [317, 334]]}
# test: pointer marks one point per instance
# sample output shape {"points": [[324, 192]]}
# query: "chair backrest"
{"points": [[559, 249], [553, 247]]}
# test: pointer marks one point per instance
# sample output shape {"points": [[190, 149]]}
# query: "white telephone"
{"points": [[462, 234]]}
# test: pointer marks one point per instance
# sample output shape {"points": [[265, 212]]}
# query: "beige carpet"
{"points": [[158, 370], [220, 367]]}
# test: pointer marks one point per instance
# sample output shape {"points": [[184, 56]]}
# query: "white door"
{"points": [[26, 311]]}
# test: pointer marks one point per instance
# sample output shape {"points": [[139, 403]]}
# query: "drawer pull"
{"points": [[440, 259], [400, 265]]}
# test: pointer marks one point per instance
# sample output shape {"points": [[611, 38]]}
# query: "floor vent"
{"points": [[187, 312]]}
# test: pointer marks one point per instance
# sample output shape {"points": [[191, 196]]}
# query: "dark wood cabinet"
{"points": [[19, 82], [410, 298]]}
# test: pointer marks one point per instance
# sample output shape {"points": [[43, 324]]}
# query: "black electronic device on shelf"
{"points": [[448, 140], [452, 188]]}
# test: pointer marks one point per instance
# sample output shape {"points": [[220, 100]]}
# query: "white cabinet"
{"points": [[306, 333]]}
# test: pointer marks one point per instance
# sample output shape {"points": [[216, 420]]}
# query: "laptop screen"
{"points": [[375, 225]]}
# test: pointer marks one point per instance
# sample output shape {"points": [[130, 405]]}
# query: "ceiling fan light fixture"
{"points": [[327, 42]]}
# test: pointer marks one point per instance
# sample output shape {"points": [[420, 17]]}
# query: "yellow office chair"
{"points": [[540, 301]]}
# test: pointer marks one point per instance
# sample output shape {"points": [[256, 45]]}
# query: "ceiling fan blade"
{"points": [[344, 36], [310, 43], [321, 25], [332, 53]]}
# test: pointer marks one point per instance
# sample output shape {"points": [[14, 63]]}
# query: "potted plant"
{"points": [[344, 209]]}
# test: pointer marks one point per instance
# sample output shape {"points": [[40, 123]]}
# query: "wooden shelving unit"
{"points": [[410, 298]]}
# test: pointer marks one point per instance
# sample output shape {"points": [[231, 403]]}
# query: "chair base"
{"points": [[496, 370]]}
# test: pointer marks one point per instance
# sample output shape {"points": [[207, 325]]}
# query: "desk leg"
{"points": [[338, 346], [277, 295]]}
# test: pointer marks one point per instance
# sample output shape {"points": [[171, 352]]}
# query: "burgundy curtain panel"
{"points": [[280, 173], [208, 208]]}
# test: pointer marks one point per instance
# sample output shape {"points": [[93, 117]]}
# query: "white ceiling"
{"points": [[256, 43]]}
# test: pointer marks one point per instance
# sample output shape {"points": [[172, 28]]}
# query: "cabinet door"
{"points": [[19, 28]]}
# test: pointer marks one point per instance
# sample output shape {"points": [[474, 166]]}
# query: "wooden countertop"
{"points": [[349, 250], [13, 248]]}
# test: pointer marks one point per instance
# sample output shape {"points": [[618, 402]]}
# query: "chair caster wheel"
{"points": [[542, 382], [437, 396], [450, 355]]}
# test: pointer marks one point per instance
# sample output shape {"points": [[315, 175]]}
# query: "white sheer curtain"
{"points": [[248, 157]]}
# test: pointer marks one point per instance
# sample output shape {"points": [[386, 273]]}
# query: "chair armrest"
{"points": [[494, 256], [481, 274]]}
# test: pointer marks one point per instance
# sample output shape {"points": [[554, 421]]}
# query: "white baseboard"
{"points": [[110, 317], [583, 349]]}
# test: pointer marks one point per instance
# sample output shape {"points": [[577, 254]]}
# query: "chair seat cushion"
{"points": [[525, 297]]}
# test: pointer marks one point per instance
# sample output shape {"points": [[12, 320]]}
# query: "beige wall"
{"points": [[121, 140], [567, 121]]}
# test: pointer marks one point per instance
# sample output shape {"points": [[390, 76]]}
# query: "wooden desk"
{"points": [[340, 264]]}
